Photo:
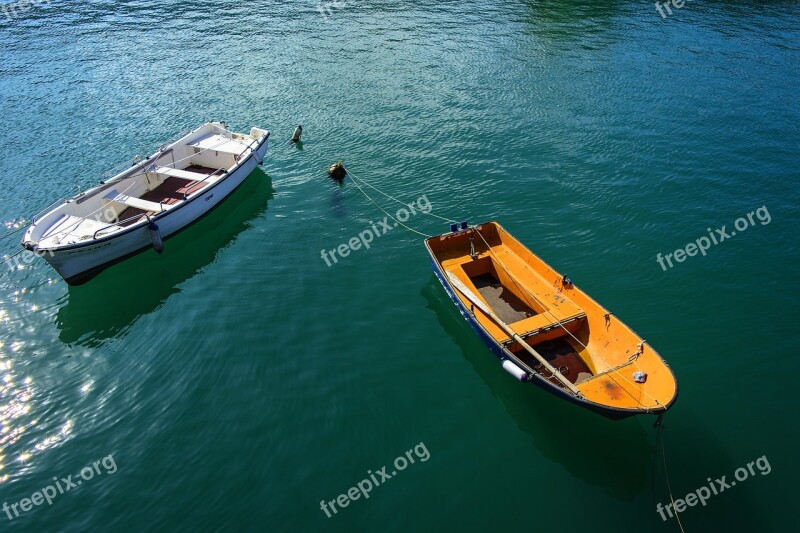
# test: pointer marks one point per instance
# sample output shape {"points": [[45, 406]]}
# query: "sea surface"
{"points": [[237, 380]]}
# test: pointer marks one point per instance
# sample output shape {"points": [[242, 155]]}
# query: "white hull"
{"points": [[78, 262]]}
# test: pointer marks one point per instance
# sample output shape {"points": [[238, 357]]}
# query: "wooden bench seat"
{"points": [[132, 201], [219, 143], [548, 321], [178, 173]]}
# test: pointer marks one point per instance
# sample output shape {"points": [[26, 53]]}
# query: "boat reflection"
{"points": [[112, 302]]}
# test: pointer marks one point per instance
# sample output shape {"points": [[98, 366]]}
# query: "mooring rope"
{"points": [[660, 444], [9, 234], [385, 211], [448, 220], [10, 257]]}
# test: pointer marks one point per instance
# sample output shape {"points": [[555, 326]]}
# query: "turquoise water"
{"points": [[237, 380]]}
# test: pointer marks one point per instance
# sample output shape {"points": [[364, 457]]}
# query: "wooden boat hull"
{"points": [[78, 263], [501, 349]]}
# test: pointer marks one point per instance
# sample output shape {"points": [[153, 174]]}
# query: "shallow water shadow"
{"points": [[113, 301], [618, 455], [338, 203]]}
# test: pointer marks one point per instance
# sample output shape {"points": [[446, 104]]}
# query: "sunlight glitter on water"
{"points": [[15, 407], [53, 440]]}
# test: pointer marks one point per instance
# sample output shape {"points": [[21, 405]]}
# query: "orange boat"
{"points": [[544, 329]]}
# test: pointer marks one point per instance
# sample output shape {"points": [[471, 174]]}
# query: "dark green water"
{"points": [[237, 380]]}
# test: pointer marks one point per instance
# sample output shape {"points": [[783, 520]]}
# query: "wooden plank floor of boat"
{"points": [[559, 353], [503, 302]]}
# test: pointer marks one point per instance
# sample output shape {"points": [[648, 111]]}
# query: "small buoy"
{"points": [[298, 131], [155, 236], [337, 171]]}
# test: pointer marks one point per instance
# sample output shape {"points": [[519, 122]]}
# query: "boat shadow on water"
{"points": [[619, 455], [112, 302], [577, 439]]}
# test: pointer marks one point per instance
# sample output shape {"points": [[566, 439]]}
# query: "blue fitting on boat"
{"points": [[464, 225], [453, 227]]}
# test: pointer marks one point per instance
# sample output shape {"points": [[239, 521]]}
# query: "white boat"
{"points": [[146, 203]]}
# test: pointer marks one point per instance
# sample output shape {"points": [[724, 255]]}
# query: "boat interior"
{"points": [[545, 319], [574, 334], [171, 176]]}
